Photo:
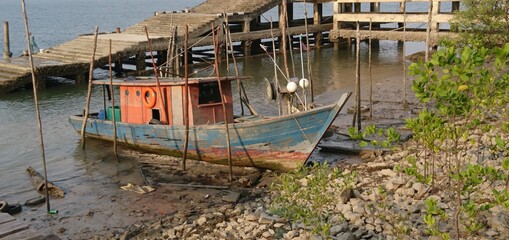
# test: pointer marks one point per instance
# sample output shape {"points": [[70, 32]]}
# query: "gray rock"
{"points": [[345, 236], [387, 172], [498, 222], [316, 237], [266, 234], [345, 195], [231, 197], [252, 217], [339, 229]]}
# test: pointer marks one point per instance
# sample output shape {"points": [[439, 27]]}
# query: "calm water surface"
{"points": [[55, 21]]}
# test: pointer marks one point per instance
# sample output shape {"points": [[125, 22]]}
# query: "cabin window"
{"points": [[209, 93], [127, 92], [138, 93]]}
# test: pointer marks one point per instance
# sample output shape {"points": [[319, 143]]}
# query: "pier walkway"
{"points": [[72, 59]]}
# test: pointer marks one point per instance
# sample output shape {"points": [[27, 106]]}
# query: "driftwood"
{"points": [[40, 185]]}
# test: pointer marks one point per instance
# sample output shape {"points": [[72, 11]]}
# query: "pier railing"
{"points": [[391, 15]]}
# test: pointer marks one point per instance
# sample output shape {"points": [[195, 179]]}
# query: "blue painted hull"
{"points": [[279, 143]]}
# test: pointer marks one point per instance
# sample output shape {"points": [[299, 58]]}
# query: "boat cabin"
{"points": [[143, 102]]}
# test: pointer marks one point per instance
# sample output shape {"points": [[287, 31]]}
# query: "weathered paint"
{"points": [[279, 143]]}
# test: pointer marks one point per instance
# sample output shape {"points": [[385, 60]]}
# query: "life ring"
{"points": [[148, 95]]}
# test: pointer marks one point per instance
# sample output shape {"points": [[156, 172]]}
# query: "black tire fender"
{"points": [[13, 209]]}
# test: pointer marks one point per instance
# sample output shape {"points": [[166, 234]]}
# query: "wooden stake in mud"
{"points": [[36, 102], [370, 73], [225, 115], [113, 117], [357, 114], [186, 99], [154, 66], [89, 92], [405, 103]]}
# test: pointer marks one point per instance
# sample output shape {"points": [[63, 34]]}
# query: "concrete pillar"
{"points": [[289, 13], [455, 6], [140, 62], [246, 28], [80, 78], [357, 7], [118, 66], [317, 19], [7, 46], [162, 57]]}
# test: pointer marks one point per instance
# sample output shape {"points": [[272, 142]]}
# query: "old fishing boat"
{"points": [[150, 116]]}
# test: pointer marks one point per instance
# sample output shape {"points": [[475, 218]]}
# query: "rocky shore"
{"points": [[382, 201]]}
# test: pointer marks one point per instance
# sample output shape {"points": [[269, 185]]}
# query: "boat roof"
{"points": [[173, 81]]}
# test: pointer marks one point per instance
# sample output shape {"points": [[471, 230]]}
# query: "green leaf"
{"points": [[505, 163]]}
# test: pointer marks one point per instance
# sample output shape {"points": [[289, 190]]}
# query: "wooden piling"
{"points": [[89, 92], [7, 45], [186, 98], [36, 103], [317, 19], [428, 30], [358, 79], [308, 56], [113, 117], [156, 73], [225, 115], [282, 26]]}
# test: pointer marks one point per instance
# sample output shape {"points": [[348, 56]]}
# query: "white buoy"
{"points": [[304, 83], [291, 87]]}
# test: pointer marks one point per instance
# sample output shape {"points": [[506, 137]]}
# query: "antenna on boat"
{"points": [[38, 113], [186, 99], [89, 92], [225, 115], [113, 108]]}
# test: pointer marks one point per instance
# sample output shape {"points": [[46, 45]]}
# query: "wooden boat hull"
{"points": [[279, 143]]}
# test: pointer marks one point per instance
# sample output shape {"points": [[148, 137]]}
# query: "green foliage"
{"points": [[486, 21], [379, 136], [434, 212], [303, 195], [463, 86], [413, 170], [502, 198]]}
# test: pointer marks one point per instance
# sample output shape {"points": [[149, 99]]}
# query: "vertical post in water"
{"points": [[370, 72], [38, 114], [225, 115], [358, 78], [89, 93], [282, 26], [405, 103], [113, 117], [186, 98], [7, 44]]}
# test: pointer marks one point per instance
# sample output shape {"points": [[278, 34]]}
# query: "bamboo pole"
{"points": [[276, 81], [308, 56], [113, 117], [186, 99], [358, 78], [36, 103], [370, 72], [428, 30], [240, 85], [225, 115], [89, 92], [154, 66], [282, 26], [405, 103]]}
